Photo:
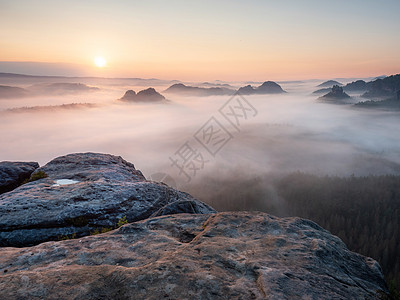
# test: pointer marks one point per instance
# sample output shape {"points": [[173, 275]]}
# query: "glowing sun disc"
{"points": [[100, 61]]}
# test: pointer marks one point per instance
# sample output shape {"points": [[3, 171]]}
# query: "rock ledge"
{"points": [[232, 255], [100, 189]]}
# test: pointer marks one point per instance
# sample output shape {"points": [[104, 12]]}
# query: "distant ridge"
{"points": [[10, 78], [69, 106], [186, 90], [147, 95], [268, 87], [385, 88], [335, 94], [329, 84], [12, 92], [40, 89]]}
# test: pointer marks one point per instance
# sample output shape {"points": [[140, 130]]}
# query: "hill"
{"points": [[268, 87], [336, 94], [61, 88], [148, 95], [388, 104], [12, 92], [185, 90], [383, 88], [329, 84]]}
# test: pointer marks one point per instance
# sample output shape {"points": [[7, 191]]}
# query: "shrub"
{"points": [[101, 230], [122, 221], [67, 237], [38, 175]]}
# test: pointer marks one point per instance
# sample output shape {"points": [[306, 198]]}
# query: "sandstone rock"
{"points": [[232, 255], [83, 193], [12, 174]]}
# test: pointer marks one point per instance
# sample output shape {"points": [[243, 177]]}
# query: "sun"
{"points": [[100, 61]]}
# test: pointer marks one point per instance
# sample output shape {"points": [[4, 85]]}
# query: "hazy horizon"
{"points": [[196, 41], [64, 70]]}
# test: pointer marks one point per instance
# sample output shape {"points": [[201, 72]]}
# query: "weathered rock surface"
{"points": [[85, 192], [12, 174], [233, 255]]}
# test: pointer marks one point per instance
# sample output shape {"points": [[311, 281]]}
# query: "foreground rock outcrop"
{"points": [[13, 174], [83, 193], [233, 255]]}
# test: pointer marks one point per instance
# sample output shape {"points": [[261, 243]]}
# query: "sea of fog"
{"points": [[274, 134]]}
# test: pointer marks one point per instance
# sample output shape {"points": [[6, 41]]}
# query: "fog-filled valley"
{"points": [[275, 134], [289, 154], [285, 133]]}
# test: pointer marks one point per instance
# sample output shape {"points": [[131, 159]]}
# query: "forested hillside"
{"points": [[363, 211]]}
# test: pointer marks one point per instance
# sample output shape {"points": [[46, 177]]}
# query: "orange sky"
{"points": [[207, 40]]}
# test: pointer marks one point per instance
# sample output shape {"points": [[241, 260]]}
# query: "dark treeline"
{"points": [[363, 211]]}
